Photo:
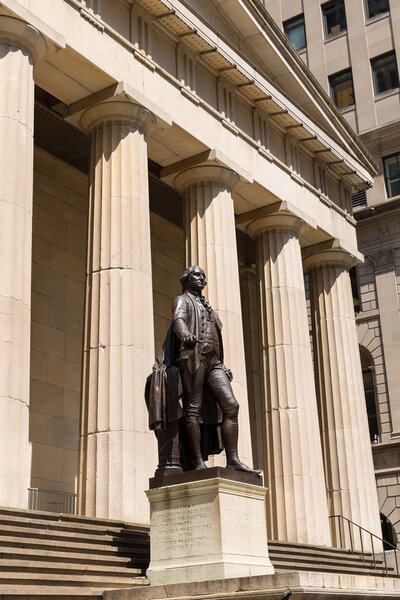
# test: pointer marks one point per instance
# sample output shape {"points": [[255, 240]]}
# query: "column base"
{"points": [[208, 529]]}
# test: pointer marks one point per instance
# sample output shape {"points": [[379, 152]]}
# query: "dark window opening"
{"points": [[375, 7], [391, 165], [384, 69], [369, 391], [334, 17], [355, 289], [388, 533], [342, 90], [295, 32]]}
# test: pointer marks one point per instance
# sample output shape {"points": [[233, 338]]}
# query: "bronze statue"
{"points": [[189, 395]]}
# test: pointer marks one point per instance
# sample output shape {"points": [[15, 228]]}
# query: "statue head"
{"points": [[193, 278]]}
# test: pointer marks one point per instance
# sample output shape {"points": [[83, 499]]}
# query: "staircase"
{"points": [[298, 557], [48, 555]]}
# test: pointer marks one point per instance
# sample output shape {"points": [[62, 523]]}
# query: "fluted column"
{"points": [[349, 470], [21, 46], [117, 451], [296, 505], [210, 235]]}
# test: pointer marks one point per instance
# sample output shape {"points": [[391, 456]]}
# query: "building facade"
{"points": [[142, 137], [353, 51]]}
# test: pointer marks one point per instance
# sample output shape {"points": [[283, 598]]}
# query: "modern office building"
{"points": [[353, 49]]}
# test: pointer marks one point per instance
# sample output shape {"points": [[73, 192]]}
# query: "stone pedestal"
{"points": [[117, 451], [349, 470], [20, 47], [296, 507], [208, 529], [210, 235]]}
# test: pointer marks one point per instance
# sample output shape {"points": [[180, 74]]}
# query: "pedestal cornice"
{"points": [[15, 32], [119, 111], [204, 174]]}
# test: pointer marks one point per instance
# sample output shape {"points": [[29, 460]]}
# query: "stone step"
{"points": [[31, 580], [16, 592], [320, 550], [61, 534], [97, 523], [23, 522], [311, 554], [301, 565], [99, 549], [40, 566], [60, 555]]}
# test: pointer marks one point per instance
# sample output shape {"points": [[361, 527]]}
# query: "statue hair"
{"points": [[186, 274]]}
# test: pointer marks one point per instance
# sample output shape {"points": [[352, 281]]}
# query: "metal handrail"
{"points": [[342, 520]]}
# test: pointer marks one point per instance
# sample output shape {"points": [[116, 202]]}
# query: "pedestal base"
{"points": [[207, 529]]}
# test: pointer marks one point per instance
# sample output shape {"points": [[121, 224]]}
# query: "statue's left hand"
{"points": [[228, 373]]}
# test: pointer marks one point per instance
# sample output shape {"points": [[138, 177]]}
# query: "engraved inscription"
{"points": [[183, 528]]}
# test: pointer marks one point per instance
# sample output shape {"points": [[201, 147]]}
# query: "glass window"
{"points": [[295, 32], [391, 166], [375, 7], [384, 68], [334, 16], [342, 91]]}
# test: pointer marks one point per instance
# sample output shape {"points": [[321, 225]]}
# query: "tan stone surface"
{"points": [[346, 446], [57, 322], [210, 234], [19, 43], [206, 530], [294, 476], [117, 452]]}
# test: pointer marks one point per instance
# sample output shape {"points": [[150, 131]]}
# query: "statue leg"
{"points": [[192, 385], [221, 389]]}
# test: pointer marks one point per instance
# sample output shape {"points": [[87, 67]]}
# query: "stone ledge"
{"points": [[304, 586]]}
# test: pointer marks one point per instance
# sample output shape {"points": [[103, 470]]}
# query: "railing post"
{"points": [[351, 536], [362, 543], [373, 550]]}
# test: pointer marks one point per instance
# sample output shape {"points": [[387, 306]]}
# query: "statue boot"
{"points": [[230, 430], [194, 445]]}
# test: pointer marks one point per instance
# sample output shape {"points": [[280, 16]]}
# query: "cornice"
{"points": [[177, 17]]}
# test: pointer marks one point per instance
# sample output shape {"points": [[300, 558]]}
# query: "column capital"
{"points": [[327, 254], [278, 221], [16, 32], [118, 111], [206, 174]]}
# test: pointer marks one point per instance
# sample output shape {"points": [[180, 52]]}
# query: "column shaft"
{"points": [[297, 508], [117, 451], [349, 471], [210, 234], [19, 43]]}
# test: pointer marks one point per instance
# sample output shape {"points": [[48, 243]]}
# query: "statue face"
{"points": [[196, 280]]}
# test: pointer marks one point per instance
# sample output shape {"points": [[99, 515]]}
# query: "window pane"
{"points": [[392, 175], [295, 32], [342, 89], [377, 6], [335, 17], [385, 72]]}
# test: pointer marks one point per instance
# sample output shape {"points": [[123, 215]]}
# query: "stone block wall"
{"points": [[167, 252], [60, 209]]}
